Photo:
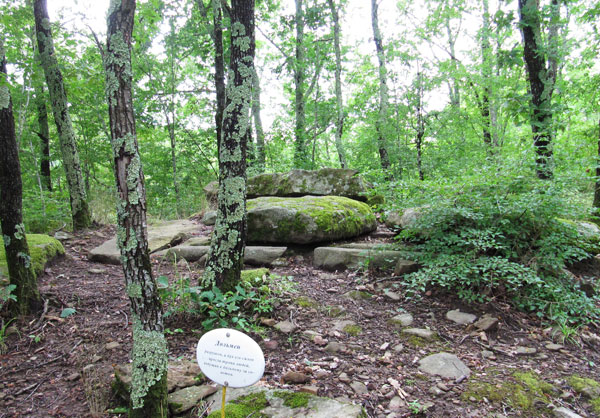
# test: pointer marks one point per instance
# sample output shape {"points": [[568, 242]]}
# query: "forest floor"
{"points": [[57, 366]]}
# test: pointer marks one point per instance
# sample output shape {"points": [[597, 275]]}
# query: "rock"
{"points": [[182, 374], [525, 351], [308, 219], [342, 325], [405, 267], [554, 347], [269, 322], [487, 323], [344, 378], [393, 219], [359, 388], [313, 390], [320, 341], [310, 406], [357, 295], [285, 327], [392, 295], [396, 403], [339, 258], [210, 218], [62, 236], [72, 377], [334, 347], [164, 235], [445, 365], [460, 318], [488, 355], [271, 344], [323, 182], [435, 391], [112, 345], [426, 334], [97, 271], [563, 412], [43, 249], [189, 253], [402, 320], [262, 256], [201, 241], [398, 348], [187, 398], [295, 377]]}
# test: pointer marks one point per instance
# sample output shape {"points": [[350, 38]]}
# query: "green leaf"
{"points": [[67, 312]]}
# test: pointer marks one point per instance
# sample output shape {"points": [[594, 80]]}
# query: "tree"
{"points": [[542, 78], [260, 134], [301, 159], [80, 211], [149, 353], [18, 260], [226, 255], [383, 89]]}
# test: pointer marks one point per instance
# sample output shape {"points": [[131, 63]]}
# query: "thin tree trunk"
{"points": [[420, 125], [339, 126], [596, 204], [487, 76], [79, 206], [383, 89], [219, 68], [541, 85], [454, 84], [44, 134], [18, 260], [149, 352], [300, 151], [226, 255], [260, 134]]}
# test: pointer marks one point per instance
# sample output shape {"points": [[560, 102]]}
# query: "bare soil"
{"points": [[45, 370]]}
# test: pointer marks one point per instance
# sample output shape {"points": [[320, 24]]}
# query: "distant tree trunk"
{"points": [[454, 85], [487, 76], [596, 204], [219, 68], [383, 89], [260, 134], [149, 352], [541, 85], [301, 159], [339, 126], [18, 260], [44, 134], [171, 121], [79, 206], [226, 255], [420, 125]]}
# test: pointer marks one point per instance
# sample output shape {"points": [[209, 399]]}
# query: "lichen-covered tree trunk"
{"points": [[383, 89], [80, 211], [339, 125], [226, 255], [541, 85], [149, 352], [301, 159], [44, 135], [260, 134], [20, 271]]}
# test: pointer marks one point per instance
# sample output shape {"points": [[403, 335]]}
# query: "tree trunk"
{"points": [[540, 85], [260, 134], [219, 68], [487, 77], [301, 159], [149, 352], [596, 204], [18, 260], [79, 206], [339, 126], [226, 255], [420, 125], [44, 134], [383, 89]]}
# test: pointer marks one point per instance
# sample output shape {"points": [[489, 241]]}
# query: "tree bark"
{"points": [[44, 135], [383, 89], [487, 76], [339, 126], [226, 255], [596, 204], [79, 206], [149, 352], [260, 134], [541, 85], [18, 260], [301, 159]]}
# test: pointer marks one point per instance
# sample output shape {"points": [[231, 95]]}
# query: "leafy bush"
{"points": [[503, 239]]}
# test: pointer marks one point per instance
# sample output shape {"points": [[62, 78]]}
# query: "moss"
{"points": [[334, 311], [352, 330], [358, 295], [244, 406], [293, 399], [306, 302], [534, 383], [255, 276], [590, 388], [416, 341], [42, 248]]}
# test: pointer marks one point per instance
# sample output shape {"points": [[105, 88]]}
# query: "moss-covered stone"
{"points": [[306, 302], [244, 406], [589, 388], [255, 276], [293, 399], [352, 330], [42, 249]]}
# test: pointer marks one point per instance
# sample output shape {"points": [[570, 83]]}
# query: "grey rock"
{"points": [[295, 377], [359, 388], [394, 296], [426, 334], [210, 218], [62, 235], [201, 241], [563, 412], [460, 318], [339, 258], [285, 327], [411, 215], [97, 271], [393, 219], [112, 345], [334, 347], [340, 325], [189, 253], [396, 403], [187, 398], [405, 267], [525, 351], [262, 256], [487, 323], [307, 219], [445, 365], [402, 320], [182, 374]]}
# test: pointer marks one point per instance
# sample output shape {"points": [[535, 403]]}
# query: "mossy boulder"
{"points": [[42, 249], [295, 183], [307, 219]]}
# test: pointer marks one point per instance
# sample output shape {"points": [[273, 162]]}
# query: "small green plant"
{"points": [[415, 407], [6, 294], [3, 329]]}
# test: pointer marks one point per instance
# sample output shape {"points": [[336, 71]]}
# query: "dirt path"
{"points": [[62, 367]]}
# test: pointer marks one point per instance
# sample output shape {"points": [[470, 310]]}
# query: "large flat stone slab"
{"points": [[160, 236], [339, 258], [314, 406], [444, 364], [253, 255]]}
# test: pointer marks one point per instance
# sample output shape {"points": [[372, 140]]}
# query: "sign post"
{"points": [[231, 359]]}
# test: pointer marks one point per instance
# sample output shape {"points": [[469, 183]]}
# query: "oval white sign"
{"points": [[230, 358]]}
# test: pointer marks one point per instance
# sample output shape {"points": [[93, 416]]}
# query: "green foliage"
{"points": [[6, 294], [3, 328], [503, 239], [67, 312]]}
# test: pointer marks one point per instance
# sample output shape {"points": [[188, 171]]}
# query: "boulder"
{"points": [[444, 364], [295, 183], [307, 219], [338, 258], [164, 235], [253, 255], [42, 249]]}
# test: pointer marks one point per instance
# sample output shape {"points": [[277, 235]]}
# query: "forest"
{"points": [[385, 165]]}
